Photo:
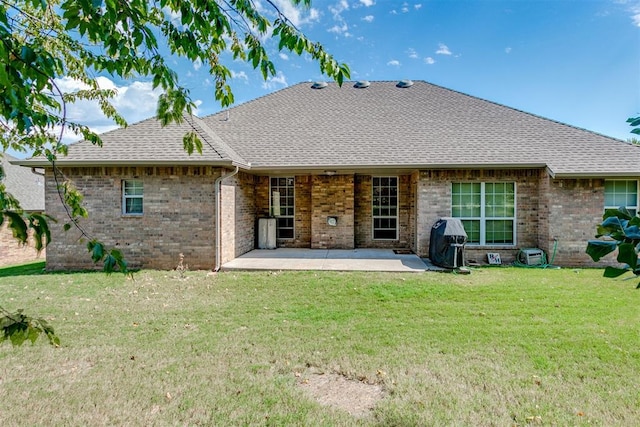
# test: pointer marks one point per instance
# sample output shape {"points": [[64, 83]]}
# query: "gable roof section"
{"points": [[148, 143], [23, 184], [421, 126], [379, 127]]}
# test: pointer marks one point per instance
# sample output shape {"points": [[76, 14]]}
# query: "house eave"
{"points": [[589, 175], [330, 169], [109, 163]]}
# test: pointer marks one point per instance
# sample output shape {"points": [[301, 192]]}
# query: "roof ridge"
{"points": [[227, 151]]}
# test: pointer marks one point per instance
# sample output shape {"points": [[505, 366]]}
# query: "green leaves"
{"points": [[620, 230], [635, 123], [19, 328], [192, 143], [43, 41], [112, 260]]}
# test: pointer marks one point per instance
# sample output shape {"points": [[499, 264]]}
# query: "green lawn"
{"points": [[502, 346]]}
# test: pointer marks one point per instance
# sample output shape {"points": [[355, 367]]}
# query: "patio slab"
{"points": [[327, 259]]}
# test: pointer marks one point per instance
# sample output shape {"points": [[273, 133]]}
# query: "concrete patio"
{"points": [[329, 259]]}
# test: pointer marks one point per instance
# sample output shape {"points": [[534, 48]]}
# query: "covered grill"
{"points": [[446, 246]]}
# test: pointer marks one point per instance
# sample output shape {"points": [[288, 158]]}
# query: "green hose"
{"points": [[544, 263]]}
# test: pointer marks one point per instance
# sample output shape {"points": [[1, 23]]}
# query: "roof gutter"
{"points": [[218, 185]]}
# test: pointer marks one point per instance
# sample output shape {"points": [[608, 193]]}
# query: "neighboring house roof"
{"points": [[23, 184], [378, 127]]}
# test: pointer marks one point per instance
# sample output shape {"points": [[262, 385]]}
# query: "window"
{"points": [[487, 211], [385, 207], [283, 205], [132, 196], [621, 193]]}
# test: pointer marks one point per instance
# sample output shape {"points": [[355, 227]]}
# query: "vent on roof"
{"points": [[319, 85], [404, 83], [361, 84]]}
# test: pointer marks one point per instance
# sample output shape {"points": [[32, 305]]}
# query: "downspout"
{"points": [[218, 185]]}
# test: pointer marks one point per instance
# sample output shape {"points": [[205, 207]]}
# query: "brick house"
{"points": [[364, 165], [27, 186]]}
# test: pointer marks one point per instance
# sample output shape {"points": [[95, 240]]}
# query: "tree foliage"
{"points": [[634, 122], [621, 231], [18, 328], [45, 40], [41, 41]]}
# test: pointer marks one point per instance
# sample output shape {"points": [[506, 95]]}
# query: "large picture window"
{"points": [[132, 197], [621, 193], [282, 202], [487, 211], [385, 207]]}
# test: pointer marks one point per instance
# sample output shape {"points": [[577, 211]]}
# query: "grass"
{"points": [[501, 346]]}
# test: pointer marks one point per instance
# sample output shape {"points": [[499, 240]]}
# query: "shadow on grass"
{"points": [[29, 269]]}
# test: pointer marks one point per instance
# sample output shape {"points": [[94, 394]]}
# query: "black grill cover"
{"points": [[446, 246]]}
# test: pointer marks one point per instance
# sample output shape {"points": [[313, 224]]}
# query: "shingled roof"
{"points": [[422, 126], [148, 143], [382, 126], [23, 184]]}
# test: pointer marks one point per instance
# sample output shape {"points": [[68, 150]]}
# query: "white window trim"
{"points": [[483, 218], [125, 197], [374, 217], [637, 207], [294, 205]]}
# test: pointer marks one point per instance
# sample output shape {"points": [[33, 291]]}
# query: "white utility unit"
{"points": [[267, 233], [531, 256]]}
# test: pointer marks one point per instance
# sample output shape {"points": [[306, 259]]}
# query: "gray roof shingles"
{"points": [[382, 126], [23, 184]]}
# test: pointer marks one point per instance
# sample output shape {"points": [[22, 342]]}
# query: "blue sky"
{"points": [[577, 62], [574, 61]]}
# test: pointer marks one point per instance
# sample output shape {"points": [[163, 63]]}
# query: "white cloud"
{"points": [[394, 63], [340, 29], [368, 18], [272, 82], [297, 15], [635, 18], [367, 3], [507, 50], [283, 56], [240, 75], [443, 49], [337, 9], [135, 101], [412, 53], [429, 60], [417, 6], [197, 64]]}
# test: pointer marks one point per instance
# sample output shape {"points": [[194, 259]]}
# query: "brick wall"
{"points": [[434, 202], [178, 217], [332, 196], [12, 252], [575, 208], [238, 216], [364, 219]]}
